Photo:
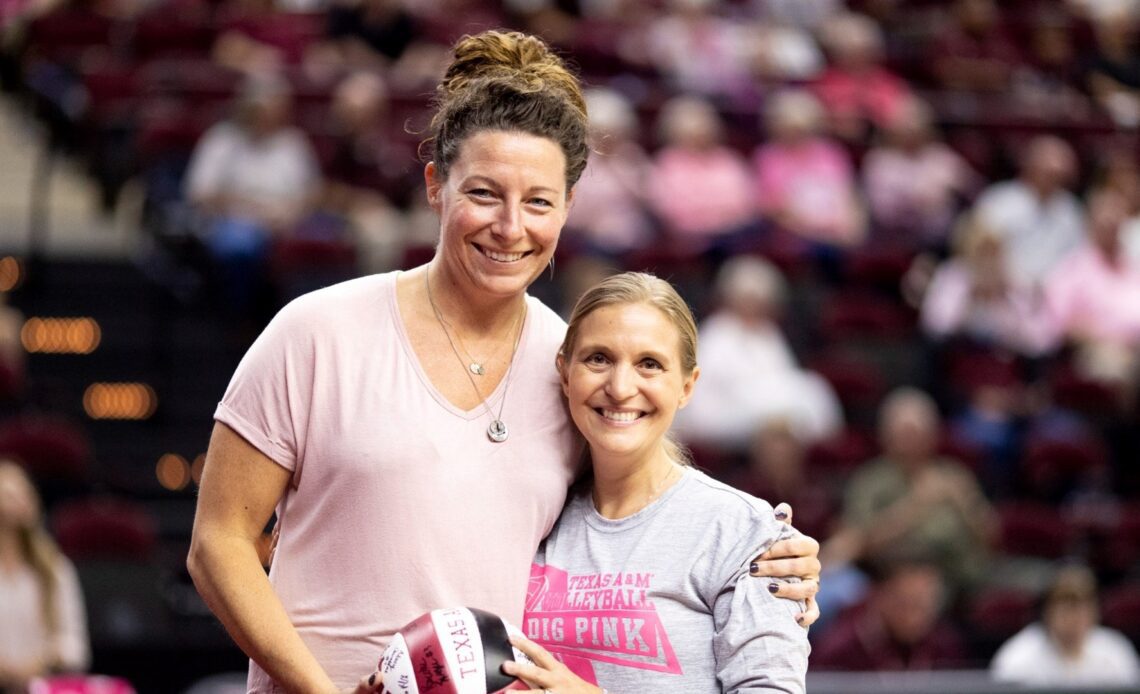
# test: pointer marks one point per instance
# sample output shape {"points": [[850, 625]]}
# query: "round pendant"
{"points": [[476, 368], [497, 432]]}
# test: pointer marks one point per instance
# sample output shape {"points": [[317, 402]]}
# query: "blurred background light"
{"points": [[119, 401], [60, 335]]}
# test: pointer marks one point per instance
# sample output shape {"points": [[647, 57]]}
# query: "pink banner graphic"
{"points": [[605, 617]]}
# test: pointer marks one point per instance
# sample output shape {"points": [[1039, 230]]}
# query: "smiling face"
{"points": [[501, 208], [625, 380]]}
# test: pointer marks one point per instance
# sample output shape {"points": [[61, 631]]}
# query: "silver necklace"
{"points": [[497, 431], [473, 365]]}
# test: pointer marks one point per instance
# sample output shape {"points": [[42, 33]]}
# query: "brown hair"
{"points": [[511, 82], [639, 288]]}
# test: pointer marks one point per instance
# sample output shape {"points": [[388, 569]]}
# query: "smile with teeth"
{"points": [[620, 415], [500, 256]]}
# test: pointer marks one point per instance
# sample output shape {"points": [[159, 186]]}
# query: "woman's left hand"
{"points": [[796, 556], [547, 675]]}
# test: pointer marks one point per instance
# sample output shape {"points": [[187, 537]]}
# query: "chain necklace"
{"points": [[474, 366], [497, 430]]}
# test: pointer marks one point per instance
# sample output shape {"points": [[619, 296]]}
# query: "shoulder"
{"points": [[720, 529], [331, 312], [725, 511], [545, 324], [223, 129], [1002, 192], [1028, 644], [1104, 639], [64, 571], [342, 300]]}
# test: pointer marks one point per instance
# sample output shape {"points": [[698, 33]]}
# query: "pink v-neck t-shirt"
{"points": [[399, 503]]}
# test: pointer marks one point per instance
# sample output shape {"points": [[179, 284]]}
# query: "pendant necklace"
{"points": [[474, 366], [497, 431]]}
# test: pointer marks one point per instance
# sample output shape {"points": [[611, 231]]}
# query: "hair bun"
{"points": [[524, 61], [508, 81]]}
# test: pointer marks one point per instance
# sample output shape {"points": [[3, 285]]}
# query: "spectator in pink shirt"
{"points": [[610, 212], [805, 183], [972, 295], [914, 182], [1093, 294], [698, 51], [701, 190], [857, 90]]}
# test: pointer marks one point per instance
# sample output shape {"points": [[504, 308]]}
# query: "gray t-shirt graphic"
{"points": [[662, 600]]}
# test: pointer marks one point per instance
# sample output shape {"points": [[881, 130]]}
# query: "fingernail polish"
{"points": [[781, 515], [799, 619], [372, 679], [772, 587], [754, 567]]}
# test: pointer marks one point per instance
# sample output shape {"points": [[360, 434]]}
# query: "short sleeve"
{"points": [[267, 399], [757, 643]]}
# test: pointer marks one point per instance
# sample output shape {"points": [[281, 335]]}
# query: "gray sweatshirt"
{"points": [[661, 601]]}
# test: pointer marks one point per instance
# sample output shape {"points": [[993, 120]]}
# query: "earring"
{"points": [[552, 268]]}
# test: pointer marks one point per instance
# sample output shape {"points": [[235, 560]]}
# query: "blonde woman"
{"points": [[41, 606], [643, 584]]}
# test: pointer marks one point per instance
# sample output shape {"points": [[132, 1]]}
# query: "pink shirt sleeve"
{"points": [[265, 402]]}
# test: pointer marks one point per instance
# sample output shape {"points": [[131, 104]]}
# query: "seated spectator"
{"points": [[777, 469], [911, 500], [370, 176], [1093, 295], [974, 52], [973, 296], [1048, 83], [41, 604], [781, 52], [1067, 647], [899, 626], [747, 361], [1119, 171], [700, 189], [1113, 66], [610, 212], [1035, 214], [252, 177], [805, 184], [914, 182], [698, 51], [857, 90]]}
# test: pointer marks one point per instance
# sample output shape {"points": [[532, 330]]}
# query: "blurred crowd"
{"points": [[911, 231]]}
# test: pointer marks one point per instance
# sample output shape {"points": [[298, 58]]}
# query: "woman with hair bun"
{"points": [[407, 428]]}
